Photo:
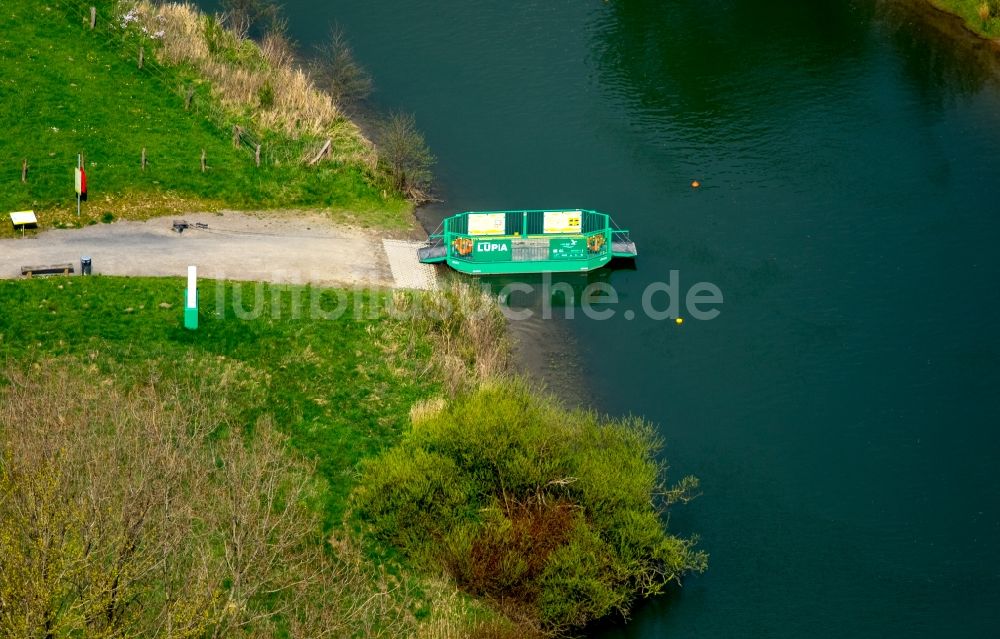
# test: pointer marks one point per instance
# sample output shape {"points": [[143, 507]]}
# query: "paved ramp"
{"points": [[407, 270]]}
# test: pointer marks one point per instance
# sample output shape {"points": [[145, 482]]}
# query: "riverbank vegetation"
{"points": [[308, 463], [544, 511], [175, 110], [155, 478], [981, 16]]}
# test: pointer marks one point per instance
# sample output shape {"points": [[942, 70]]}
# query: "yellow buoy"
{"points": [[679, 320], [695, 184]]}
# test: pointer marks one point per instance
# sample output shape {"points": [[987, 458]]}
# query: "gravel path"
{"points": [[240, 246]]}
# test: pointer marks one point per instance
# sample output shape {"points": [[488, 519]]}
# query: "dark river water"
{"points": [[842, 410]]}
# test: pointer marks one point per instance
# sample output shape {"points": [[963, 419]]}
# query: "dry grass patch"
{"points": [[261, 82]]}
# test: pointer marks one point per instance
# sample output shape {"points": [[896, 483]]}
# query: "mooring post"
{"points": [[203, 160], [24, 171], [143, 161]]}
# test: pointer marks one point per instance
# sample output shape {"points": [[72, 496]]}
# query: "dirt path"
{"points": [[290, 249]]}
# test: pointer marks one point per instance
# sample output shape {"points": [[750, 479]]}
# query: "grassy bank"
{"points": [[342, 388], [69, 89], [103, 364], [411, 488], [980, 16]]}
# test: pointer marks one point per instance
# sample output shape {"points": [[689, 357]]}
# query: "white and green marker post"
{"points": [[191, 299]]}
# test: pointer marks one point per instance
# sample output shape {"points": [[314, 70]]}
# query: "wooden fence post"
{"points": [[236, 136], [203, 160], [187, 98], [143, 161], [142, 52], [93, 17], [256, 155], [24, 171], [326, 150]]}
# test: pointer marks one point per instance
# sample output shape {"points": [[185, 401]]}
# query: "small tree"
{"points": [[335, 70], [403, 148], [248, 16]]}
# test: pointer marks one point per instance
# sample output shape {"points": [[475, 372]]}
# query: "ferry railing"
{"points": [[529, 221], [462, 246], [620, 235]]}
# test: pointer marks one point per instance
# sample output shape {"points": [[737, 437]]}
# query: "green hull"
{"points": [[517, 242], [509, 268]]}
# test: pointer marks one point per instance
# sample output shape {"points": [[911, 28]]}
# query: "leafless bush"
{"points": [[244, 17], [98, 499], [335, 70], [403, 149], [278, 49], [127, 513]]}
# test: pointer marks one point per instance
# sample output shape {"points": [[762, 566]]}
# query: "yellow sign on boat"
{"points": [[487, 223], [562, 221]]}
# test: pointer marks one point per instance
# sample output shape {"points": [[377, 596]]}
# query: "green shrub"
{"points": [[266, 96], [556, 513], [412, 493]]}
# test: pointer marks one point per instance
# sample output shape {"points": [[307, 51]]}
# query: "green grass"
{"points": [[341, 388], [340, 385], [67, 90], [968, 10]]}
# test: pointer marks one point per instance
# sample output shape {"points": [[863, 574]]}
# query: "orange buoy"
{"points": [[695, 184]]}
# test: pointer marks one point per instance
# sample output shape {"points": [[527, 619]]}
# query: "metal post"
{"points": [[191, 300]]}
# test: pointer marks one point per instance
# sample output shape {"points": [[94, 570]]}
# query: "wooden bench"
{"points": [[51, 269]]}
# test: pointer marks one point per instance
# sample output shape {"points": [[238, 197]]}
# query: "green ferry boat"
{"points": [[506, 242]]}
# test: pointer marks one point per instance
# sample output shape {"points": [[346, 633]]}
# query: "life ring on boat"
{"points": [[462, 245], [595, 243]]}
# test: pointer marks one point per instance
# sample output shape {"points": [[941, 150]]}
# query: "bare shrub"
{"points": [[404, 151], [97, 501], [277, 49], [129, 513], [250, 16], [335, 71]]}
